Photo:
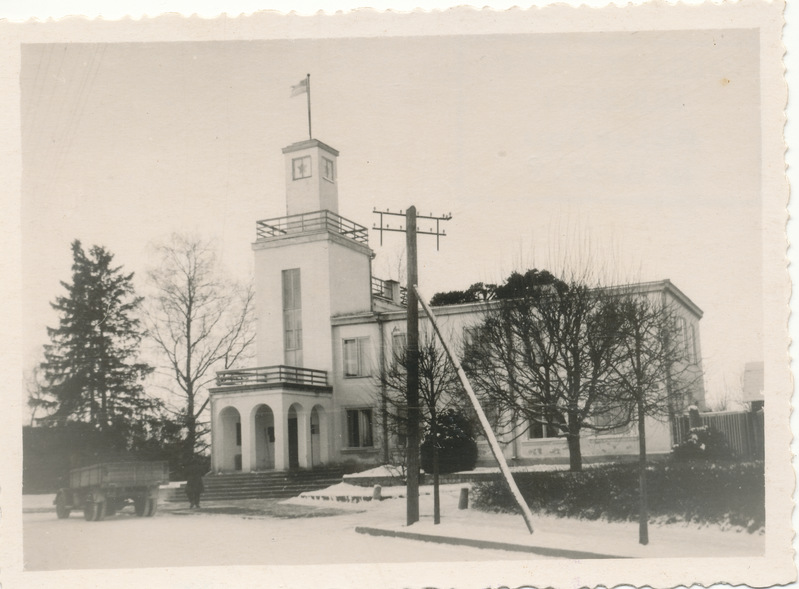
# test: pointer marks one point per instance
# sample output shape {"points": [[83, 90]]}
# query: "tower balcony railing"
{"points": [[272, 375], [385, 289], [311, 223]]}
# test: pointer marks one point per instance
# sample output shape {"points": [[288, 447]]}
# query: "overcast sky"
{"points": [[646, 145]]}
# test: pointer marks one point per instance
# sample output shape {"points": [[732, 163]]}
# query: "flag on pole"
{"points": [[301, 88]]}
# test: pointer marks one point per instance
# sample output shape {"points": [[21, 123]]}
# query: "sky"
{"points": [[637, 153]]}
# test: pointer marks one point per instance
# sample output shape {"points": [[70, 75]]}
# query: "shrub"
{"points": [[705, 492], [457, 450], [703, 443]]}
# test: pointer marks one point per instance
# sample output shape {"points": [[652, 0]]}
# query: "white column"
{"points": [[247, 446], [214, 437], [281, 434], [304, 438], [325, 436]]}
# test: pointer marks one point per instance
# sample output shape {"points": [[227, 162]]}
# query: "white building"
{"points": [[326, 325]]}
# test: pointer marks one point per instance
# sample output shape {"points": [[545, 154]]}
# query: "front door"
{"points": [[294, 452]]}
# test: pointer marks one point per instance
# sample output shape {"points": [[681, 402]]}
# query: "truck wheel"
{"points": [[90, 511], [61, 509], [94, 511], [139, 504], [152, 506]]}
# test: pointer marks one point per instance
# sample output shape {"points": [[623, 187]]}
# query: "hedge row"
{"points": [[703, 492]]}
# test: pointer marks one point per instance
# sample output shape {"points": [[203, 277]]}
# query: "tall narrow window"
{"points": [[328, 170], [357, 361], [399, 342], [686, 336], [292, 317], [692, 353]]}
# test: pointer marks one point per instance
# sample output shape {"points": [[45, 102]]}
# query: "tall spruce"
{"points": [[90, 371]]}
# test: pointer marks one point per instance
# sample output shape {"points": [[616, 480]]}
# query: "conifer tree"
{"points": [[90, 368]]}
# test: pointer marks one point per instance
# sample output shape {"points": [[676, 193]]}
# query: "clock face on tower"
{"points": [[301, 167]]}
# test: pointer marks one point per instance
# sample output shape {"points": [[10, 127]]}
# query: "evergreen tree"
{"points": [[90, 371]]}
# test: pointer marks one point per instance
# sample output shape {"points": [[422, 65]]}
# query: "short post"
{"points": [[377, 493], [463, 501], [694, 420]]}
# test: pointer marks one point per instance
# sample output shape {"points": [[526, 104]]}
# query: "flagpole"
{"points": [[308, 84]]}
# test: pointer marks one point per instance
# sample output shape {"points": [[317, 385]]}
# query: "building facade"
{"points": [[326, 326]]}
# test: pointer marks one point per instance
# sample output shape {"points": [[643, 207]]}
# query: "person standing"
{"points": [[194, 485]]}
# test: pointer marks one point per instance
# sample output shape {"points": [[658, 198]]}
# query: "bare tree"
{"points": [[728, 396], [200, 322], [544, 354], [654, 373], [439, 391]]}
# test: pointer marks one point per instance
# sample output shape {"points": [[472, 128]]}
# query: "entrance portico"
{"points": [[272, 418]]}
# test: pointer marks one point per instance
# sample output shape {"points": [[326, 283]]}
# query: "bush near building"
{"points": [[703, 443], [730, 493], [457, 450]]}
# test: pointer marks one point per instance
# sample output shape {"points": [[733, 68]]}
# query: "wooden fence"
{"points": [[743, 430]]}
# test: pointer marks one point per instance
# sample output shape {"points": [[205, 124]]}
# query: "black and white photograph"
{"points": [[447, 299]]}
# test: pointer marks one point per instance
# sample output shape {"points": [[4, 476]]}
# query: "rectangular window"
{"points": [[609, 419], [359, 428], [686, 338], [292, 317], [492, 412], [301, 167], [357, 360], [238, 433], [401, 419], [399, 342], [692, 354], [328, 169], [470, 336], [541, 428], [473, 336]]}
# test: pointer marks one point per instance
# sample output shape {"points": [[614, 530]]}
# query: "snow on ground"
{"points": [[313, 533], [388, 470], [177, 537], [609, 538], [345, 492]]}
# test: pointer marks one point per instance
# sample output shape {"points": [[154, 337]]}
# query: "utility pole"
{"points": [[412, 350], [412, 353]]}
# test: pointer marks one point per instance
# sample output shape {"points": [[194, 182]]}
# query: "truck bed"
{"points": [[120, 474]]}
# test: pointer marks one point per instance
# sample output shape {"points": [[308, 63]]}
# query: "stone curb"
{"points": [[487, 544]]}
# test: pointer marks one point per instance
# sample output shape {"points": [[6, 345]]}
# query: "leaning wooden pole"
{"points": [[489, 433]]}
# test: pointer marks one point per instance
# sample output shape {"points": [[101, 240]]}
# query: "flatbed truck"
{"points": [[103, 489]]}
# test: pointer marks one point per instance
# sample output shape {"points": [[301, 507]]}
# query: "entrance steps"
{"points": [[260, 485]]}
